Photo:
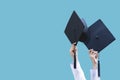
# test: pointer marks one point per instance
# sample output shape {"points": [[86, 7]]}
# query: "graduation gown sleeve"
{"points": [[94, 74], [78, 72]]}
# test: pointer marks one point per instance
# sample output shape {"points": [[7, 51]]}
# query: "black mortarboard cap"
{"points": [[83, 36], [74, 28], [98, 36]]}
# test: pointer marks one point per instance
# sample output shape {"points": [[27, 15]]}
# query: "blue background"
{"points": [[33, 45]]}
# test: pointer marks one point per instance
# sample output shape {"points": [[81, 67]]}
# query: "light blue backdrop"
{"points": [[33, 45]]}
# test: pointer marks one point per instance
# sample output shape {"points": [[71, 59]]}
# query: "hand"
{"points": [[94, 57], [73, 50]]}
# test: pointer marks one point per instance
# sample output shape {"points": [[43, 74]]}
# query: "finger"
{"points": [[90, 51], [96, 56]]}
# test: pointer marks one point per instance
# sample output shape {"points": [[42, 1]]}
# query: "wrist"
{"points": [[94, 66]]}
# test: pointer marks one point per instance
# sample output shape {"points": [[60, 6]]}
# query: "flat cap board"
{"points": [[98, 36]]}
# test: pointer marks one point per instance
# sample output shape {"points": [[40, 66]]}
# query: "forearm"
{"points": [[94, 63], [95, 66]]}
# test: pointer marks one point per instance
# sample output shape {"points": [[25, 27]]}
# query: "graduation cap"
{"points": [[97, 37], [74, 30]]}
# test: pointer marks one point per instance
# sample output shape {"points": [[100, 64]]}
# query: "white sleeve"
{"points": [[94, 74], [78, 72]]}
